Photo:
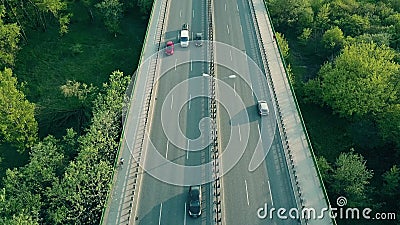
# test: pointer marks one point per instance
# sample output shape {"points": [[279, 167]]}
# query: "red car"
{"points": [[169, 50]]}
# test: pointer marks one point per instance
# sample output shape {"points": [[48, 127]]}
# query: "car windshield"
{"points": [[184, 39]]}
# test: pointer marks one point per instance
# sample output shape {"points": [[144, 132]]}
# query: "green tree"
{"points": [[389, 124], [292, 13], [360, 80], [145, 5], [322, 20], [26, 187], [354, 25], [333, 39], [79, 197], [351, 178], [312, 91], [391, 182], [9, 38], [36, 13], [325, 168], [305, 35], [283, 45], [17, 123], [20, 219], [19, 198], [112, 13], [380, 39]]}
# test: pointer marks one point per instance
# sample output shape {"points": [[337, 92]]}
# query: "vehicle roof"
{"points": [[263, 105], [184, 33]]}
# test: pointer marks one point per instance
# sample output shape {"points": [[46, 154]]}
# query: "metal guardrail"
{"points": [[216, 184], [130, 91], [140, 138], [282, 127]]}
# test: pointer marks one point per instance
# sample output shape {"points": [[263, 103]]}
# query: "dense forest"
{"points": [[61, 97], [343, 58]]}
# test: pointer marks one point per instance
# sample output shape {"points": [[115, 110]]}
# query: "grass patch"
{"points": [[87, 53]]}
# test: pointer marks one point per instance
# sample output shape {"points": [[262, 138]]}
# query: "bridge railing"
{"points": [[300, 115], [129, 93]]}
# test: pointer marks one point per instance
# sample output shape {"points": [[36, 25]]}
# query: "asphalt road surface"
{"points": [[176, 123], [245, 191]]}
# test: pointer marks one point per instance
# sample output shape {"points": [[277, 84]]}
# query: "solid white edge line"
{"points": [[184, 216], [270, 193], [159, 218], [166, 153], [247, 192], [187, 150], [190, 97], [172, 100]]}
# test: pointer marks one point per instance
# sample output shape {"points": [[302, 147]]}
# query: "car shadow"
{"points": [[240, 118]]}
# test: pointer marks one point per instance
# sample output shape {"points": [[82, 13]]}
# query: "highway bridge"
{"points": [[192, 119]]}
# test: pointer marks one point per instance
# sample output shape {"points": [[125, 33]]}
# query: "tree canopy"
{"points": [[351, 177], [9, 38], [360, 80], [67, 180], [17, 124]]}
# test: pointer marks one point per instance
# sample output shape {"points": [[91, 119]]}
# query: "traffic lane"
{"points": [[164, 209], [281, 187], [152, 190], [167, 82], [227, 24], [199, 18], [179, 12], [172, 152], [241, 193], [161, 142]]}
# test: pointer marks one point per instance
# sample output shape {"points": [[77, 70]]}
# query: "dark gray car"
{"points": [[195, 201]]}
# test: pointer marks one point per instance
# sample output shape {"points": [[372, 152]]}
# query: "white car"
{"points": [[263, 108], [184, 36]]}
